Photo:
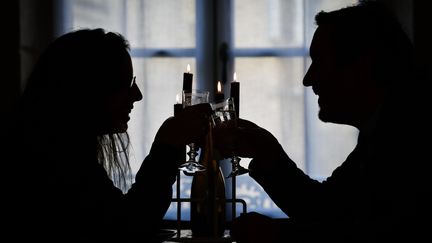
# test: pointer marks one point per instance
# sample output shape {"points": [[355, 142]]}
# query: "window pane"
{"points": [[146, 23], [185, 192], [272, 97], [312, 7], [161, 23], [107, 14], [291, 111], [159, 79], [329, 144], [272, 94], [268, 23]]}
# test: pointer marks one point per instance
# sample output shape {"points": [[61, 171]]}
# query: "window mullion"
{"points": [[205, 42], [163, 52], [271, 52]]}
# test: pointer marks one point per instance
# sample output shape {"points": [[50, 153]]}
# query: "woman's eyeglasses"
{"points": [[133, 81]]}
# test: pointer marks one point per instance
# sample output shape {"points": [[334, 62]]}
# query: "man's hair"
{"points": [[369, 26]]}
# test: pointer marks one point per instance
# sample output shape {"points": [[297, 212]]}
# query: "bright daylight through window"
{"points": [[269, 42]]}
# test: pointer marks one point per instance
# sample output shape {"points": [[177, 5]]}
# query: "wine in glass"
{"points": [[190, 98], [224, 116]]}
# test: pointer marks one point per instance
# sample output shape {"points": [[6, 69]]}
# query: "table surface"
{"points": [[186, 236]]}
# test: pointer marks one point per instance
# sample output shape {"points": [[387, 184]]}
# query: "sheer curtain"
{"points": [[268, 44]]}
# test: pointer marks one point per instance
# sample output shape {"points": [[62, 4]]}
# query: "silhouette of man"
{"points": [[363, 72]]}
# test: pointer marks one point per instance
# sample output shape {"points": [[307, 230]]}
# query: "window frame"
{"points": [[215, 54]]}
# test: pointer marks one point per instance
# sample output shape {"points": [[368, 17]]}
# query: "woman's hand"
{"points": [[189, 125]]}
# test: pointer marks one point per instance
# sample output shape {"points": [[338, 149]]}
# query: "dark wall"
{"points": [[422, 33], [9, 58], [37, 30], [415, 18], [27, 26], [403, 9]]}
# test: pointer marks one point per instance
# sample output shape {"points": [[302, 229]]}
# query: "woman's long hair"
{"points": [[63, 93]]}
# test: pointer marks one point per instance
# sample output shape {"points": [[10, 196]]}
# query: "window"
{"points": [[264, 41]]}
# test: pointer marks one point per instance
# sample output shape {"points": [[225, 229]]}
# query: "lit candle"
{"points": [[187, 80], [178, 106], [219, 96], [235, 94], [187, 87]]}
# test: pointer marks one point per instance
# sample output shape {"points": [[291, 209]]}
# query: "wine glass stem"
{"points": [[192, 152]]}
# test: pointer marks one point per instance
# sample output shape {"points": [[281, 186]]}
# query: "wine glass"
{"points": [[190, 98], [224, 116]]}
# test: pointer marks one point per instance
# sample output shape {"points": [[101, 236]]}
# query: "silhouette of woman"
{"points": [[69, 147]]}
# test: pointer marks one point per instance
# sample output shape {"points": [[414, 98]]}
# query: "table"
{"points": [[186, 236]]}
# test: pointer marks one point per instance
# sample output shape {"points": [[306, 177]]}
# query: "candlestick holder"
{"points": [[185, 234]]}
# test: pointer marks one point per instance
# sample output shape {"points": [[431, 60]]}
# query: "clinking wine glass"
{"points": [[224, 116], [195, 97]]}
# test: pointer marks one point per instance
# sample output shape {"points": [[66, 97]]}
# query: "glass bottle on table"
{"points": [[208, 195]]}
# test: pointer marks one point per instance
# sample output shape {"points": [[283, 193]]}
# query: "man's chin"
{"points": [[326, 116], [322, 116], [329, 117]]}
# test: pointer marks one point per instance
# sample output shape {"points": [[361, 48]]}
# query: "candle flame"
{"points": [[188, 68], [219, 87], [235, 77]]}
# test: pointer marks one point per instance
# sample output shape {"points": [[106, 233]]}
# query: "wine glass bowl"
{"points": [[191, 98], [224, 117]]}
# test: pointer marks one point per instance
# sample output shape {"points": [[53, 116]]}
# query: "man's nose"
{"points": [[136, 93], [308, 77]]}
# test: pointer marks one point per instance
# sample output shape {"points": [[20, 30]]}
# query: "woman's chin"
{"points": [[118, 128], [122, 128]]}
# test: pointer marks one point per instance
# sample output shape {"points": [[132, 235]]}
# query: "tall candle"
{"points": [[187, 80], [219, 96], [178, 106], [187, 87], [235, 94]]}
